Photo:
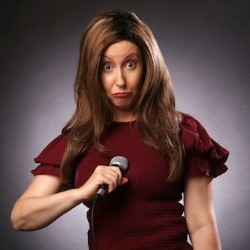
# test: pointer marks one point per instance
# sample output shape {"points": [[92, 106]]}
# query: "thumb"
{"points": [[124, 180]]}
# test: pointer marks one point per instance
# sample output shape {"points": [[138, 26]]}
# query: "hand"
{"points": [[109, 175]]}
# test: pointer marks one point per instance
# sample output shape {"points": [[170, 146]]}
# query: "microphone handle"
{"points": [[103, 189], [117, 161]]}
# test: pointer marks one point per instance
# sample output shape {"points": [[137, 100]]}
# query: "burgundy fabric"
{"points": [[203, 154], [145, 213]]}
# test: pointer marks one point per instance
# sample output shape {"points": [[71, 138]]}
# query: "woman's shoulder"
{"points": [[53, 152], [193, 134], [203, 154]]}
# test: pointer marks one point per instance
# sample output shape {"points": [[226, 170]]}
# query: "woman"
{"points": [[126, 106]]}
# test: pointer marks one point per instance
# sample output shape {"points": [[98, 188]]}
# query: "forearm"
{"points": [[206, 238], [33, 213], [41, 204]]}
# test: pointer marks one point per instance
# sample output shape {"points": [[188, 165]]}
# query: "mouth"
{"points": [[122, 94]]}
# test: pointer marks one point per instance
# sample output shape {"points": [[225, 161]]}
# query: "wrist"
{"points": [[80, 195]]}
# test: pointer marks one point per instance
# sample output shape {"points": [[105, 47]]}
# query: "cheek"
{"points": [[104, 82], [107, 86], [138, 81]]}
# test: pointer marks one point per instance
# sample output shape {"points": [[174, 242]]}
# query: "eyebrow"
{"points": [[125, 57]]}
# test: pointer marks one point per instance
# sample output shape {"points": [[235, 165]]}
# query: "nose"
{"points": [[120, 79]]}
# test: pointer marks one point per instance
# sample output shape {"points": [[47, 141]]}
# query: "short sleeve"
{"points": [[50, 158], [203, 156]]}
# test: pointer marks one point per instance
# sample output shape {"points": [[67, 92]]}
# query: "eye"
{"points": [[131, 64], [107, 67]]}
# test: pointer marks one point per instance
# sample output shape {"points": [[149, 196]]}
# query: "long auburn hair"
{"points": [[157, 119]]}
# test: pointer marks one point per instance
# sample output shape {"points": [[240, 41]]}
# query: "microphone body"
{"points": [[117, 161]]}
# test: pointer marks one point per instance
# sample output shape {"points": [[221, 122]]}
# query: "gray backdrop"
{"points": [[206, 46]]}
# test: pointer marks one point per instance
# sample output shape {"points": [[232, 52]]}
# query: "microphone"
{"points": [[117, 161]]}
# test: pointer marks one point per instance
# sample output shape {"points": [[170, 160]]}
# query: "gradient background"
{"points": [[206, 46]]}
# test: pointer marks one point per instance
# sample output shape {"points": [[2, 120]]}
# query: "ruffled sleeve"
{"points": [[50, 158], [203, 155]]}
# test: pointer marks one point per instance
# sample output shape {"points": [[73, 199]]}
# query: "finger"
{"points": [[108, 178], [109, 175], [114, 174], [124, 180]]}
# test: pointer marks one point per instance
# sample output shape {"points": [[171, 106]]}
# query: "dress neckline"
{"points": [[127, 122]]}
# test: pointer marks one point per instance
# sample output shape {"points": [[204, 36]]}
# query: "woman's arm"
{"points": [[200, 215], [42, 203]]}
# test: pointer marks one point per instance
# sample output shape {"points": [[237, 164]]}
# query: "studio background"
{"points": [[206, 46]]}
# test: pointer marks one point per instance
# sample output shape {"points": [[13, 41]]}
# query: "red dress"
{"points": [[145, 213]]}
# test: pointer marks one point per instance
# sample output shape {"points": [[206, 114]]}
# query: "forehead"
{"points": [[122, 49]]}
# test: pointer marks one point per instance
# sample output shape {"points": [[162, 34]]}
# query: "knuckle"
{"points": [[99, 169]]}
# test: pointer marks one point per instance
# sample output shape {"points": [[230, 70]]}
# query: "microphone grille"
{"points": [[120, 162]]}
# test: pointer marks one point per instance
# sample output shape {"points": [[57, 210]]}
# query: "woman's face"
{"points": [[121, 74]]}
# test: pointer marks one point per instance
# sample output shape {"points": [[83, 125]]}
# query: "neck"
{"points": [[124, 117]]}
